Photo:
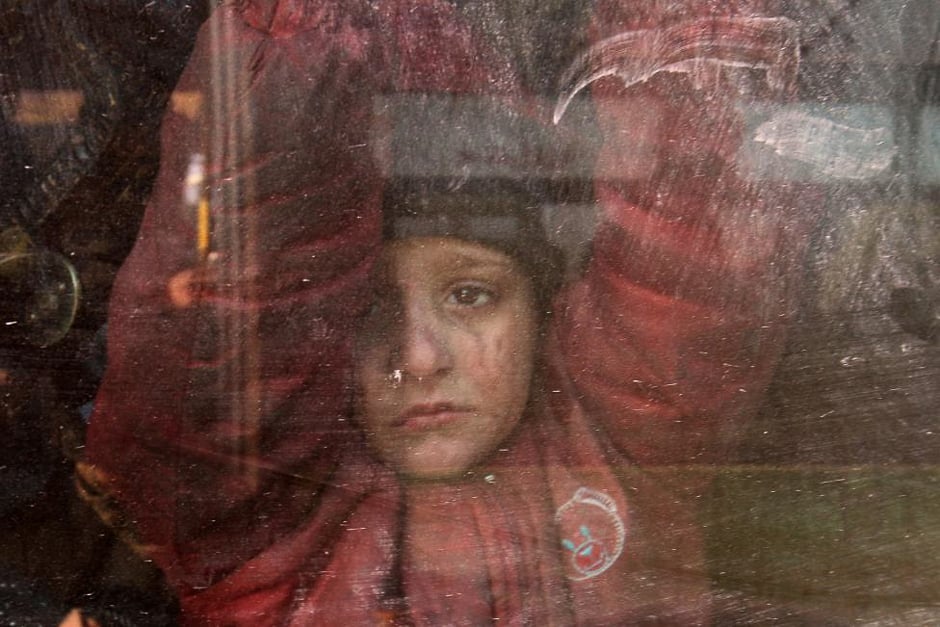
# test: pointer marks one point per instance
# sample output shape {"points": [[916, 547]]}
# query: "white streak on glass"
{"points": [[701, 48], [835, 150]]}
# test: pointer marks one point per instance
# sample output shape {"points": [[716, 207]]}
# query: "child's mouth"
{"points": [[428, 416]]}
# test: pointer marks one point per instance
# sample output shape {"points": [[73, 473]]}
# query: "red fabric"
{"points": [[238, 461]]}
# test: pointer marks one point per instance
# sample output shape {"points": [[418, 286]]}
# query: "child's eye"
{"points": [[471, 296]]}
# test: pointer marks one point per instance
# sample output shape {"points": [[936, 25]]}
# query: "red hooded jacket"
{"points": [[223, 431]]}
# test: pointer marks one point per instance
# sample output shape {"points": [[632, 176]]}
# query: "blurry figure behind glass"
{"points": [[375, 398]]}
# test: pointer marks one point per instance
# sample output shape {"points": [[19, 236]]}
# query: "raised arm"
{"points": [[225, 409], [673, 335]]}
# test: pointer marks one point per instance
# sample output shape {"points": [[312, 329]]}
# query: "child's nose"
{"points": [[425, 347]]}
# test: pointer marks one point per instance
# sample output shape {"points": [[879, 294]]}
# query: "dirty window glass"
{"points": [[463, 311]]}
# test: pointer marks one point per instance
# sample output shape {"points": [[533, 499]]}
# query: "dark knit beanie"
{"points": [[499, 214], [473, 169]]}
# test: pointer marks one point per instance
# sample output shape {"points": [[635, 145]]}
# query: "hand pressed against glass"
{"points": [[445, 359]]}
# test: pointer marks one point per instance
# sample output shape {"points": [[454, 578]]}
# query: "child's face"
{"points": [[445, 358]]}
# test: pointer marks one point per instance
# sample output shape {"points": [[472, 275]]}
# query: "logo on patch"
{"points": [[591, 531]]}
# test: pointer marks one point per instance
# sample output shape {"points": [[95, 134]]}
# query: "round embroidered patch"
{"points": [[592, 533]]}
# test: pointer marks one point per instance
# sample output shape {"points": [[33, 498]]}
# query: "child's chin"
{"points": [[430, 471]]}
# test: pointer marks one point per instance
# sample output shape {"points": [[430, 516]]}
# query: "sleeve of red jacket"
{"points": [[673, 335], [218, 424]]}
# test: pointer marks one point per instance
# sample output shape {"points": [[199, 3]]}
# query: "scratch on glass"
{"points": [[700, 48]]}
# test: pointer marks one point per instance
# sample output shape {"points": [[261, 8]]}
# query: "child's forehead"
{"points": [[435, 255]]}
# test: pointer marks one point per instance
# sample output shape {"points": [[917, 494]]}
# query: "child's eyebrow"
{"points": [[463, 261]]}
